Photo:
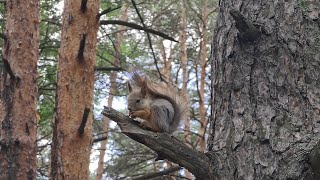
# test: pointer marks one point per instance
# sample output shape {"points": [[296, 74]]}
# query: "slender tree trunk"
{"points": [[183, 47], [166, 72], [184, 59], [112, 91], [18, 124], [203, 62], [183, 50], [265, 80], [167, 60], [73, 116]]}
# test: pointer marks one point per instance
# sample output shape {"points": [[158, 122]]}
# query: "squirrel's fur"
{"points": [[159, 104]]}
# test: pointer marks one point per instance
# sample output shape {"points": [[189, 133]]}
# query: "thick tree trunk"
{"points": [[73, 119], [266, 84], [18, 124]]}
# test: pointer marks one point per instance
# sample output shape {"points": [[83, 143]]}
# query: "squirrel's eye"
{"points": [[138, 100]]}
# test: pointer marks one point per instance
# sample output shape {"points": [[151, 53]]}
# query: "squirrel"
{"points": [[160, 105]]}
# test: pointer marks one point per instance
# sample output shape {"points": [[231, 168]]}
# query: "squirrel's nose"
{"points": [[129, 109]]}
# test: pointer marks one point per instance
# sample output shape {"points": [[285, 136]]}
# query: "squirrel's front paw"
{"points": [[132, 114]]}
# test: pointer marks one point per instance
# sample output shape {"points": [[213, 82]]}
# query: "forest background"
{"points": [[257, 86], [176, 45]]}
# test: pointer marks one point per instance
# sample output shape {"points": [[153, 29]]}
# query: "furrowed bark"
{"points": [[72, 130], [265, 83], [18, 93]]}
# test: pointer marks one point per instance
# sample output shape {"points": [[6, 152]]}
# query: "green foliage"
{"points": [[50, 26], [126, 158], [49, 43], [2, 17]]}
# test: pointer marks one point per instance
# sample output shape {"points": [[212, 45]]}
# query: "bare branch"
{"points": [[149, 40], [106, 11], [109, 69], [100, 139], [165, 145], [138, 27], [158, 174]]}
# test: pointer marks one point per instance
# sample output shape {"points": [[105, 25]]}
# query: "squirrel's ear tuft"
{"points": [[144, 88], [143, 91], [129, 87]]}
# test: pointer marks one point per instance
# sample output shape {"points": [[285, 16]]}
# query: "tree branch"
{"points": [[165, 145], [106, 11], [158, 174], [138, 27], [149, 40], [109, 69], [100, 139]]}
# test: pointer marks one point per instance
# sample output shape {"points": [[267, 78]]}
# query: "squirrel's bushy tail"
{"points": [[166, 91]]}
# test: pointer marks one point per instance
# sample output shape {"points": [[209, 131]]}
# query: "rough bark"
{"points": [[19, 91], [112, 91], [266, 84], [165, 145], [73, 116]]}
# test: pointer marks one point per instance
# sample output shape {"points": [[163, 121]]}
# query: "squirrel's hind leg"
{"points": [[162, 117]]}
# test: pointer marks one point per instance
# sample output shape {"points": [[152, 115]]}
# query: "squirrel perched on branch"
{"points": [[161, 106]]}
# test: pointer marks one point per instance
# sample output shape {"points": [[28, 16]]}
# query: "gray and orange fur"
{"points": [[160, 105]]}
